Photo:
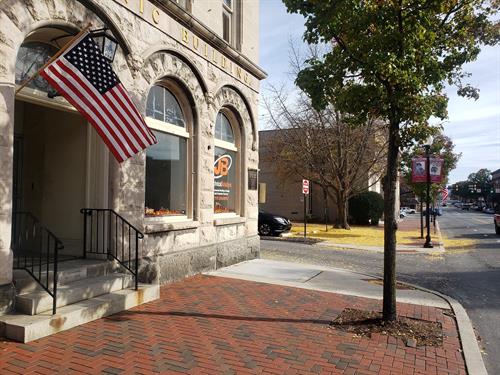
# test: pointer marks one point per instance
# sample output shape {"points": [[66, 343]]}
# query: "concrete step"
{"points": [[68, 271], [39, 301], [25, 328]]}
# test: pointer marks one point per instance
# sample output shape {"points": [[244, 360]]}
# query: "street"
{"points": [[471, 276]]}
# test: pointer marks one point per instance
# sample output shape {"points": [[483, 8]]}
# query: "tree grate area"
{"points": [[409, 330]]}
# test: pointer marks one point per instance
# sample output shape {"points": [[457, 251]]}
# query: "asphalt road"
{"points": [[470, 275]]}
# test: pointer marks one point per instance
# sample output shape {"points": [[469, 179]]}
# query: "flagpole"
{"points": [[59, 53]]}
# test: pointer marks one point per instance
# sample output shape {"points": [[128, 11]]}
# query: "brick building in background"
{"points": [[284, 197]]}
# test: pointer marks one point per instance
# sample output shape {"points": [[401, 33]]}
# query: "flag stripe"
{"points": [[78, 90], [133, 108], [138, 117], [118, 108], [83, 109], [122, 130], [116, 95], [119, 98]]}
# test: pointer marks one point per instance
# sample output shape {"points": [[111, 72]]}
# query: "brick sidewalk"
{"points": [[214, 325]]}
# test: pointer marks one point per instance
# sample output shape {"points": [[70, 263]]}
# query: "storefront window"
{"points": [[167, 161], [225, 167]]}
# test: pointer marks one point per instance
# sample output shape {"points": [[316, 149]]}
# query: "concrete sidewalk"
{"points": [[325, 279]]}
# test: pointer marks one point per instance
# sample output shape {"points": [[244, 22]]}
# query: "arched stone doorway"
{"points": [[59, 163]]}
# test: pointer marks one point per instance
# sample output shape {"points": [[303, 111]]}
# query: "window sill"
{"points": [[155, 226], [229, 220]]}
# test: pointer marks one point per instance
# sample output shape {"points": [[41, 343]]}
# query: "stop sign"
{"points": [[305, 186]]}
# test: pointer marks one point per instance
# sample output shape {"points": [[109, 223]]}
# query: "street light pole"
{"points": [[428, 242]]}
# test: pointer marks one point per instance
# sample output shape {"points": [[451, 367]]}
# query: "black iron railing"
{"points": [[107, 233], [36, 250]]}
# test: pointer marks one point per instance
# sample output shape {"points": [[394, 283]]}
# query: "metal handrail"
{"points": [[32, 244], [108, 233]]}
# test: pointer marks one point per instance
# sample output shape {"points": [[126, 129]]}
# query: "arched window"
{"points": [[226, 164], [30, 58], [168, 188]]}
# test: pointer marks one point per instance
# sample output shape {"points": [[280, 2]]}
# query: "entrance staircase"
{"points": [[87, 290], [55, 294]]}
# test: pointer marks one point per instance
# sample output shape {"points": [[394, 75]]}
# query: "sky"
{"points": [[474, 126]]}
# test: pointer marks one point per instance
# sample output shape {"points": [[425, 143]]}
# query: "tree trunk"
{"points": [[342, 211], [390, 224], [325, 200]]}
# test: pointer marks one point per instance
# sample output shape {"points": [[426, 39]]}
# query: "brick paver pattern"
{"points": [[214, 325]]}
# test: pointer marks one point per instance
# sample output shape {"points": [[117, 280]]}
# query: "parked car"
{"points": [[466, 206], [272, 225], [409, 210], [489, 211], [496, 220], [402, 213], [436, 211]]}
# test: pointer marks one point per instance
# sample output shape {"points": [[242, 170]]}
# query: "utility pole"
{"points": [[428, 242]]}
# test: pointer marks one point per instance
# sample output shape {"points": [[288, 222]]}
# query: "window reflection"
{"points": [[166, 176], [162, 105]]}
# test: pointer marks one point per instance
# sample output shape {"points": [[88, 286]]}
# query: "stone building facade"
{"points": [[201, 60]]}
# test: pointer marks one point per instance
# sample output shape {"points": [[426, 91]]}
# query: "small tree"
{"points": [[366, 208], [481, 181], [391, 59], [325, 148]]}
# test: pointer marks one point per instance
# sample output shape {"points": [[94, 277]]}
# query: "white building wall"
{"points": [[213, 75]]}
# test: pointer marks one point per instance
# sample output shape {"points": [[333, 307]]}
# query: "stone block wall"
{"points": [[154, 46]]}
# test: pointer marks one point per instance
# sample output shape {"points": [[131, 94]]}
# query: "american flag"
{"points": [[86, 79], [444, 194]]}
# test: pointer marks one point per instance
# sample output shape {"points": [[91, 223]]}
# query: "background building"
{"points": [[284, 195]]}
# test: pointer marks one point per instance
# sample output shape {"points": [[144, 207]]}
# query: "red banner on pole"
{"points": [[419, 170], [436, 170]]}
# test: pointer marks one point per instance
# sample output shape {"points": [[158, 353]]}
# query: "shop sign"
{"points": [[252, 179], [224, 181]]}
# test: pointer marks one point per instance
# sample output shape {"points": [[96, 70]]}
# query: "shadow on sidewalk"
{"points": [[127, 315]]}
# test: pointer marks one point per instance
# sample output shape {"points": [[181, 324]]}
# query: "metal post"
{"points": [[421, 217], [84, 234], [136, 260], [305, 217], [56, 256], [428, 242]]}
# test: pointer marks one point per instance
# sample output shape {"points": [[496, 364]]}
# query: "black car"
{"points": [[273, 225]]}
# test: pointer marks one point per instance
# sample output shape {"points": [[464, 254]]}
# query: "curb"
{"points": [[470, 348], [308, 241], [438, 232]]}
